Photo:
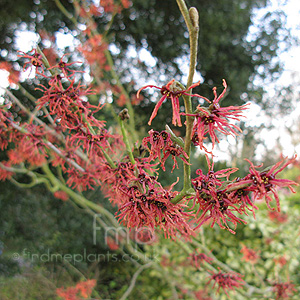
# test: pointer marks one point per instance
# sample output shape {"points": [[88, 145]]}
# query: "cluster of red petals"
{"points": [[160, 145], [108, 6], [72, 115], [226, 281], [126, 3], [198, 259], [209, 121], [281, 260], [105, 6], [5, 116], [215, 204], [64, 67], [173, 92], [7, 134], [82, 289], [35, 61], [5, 172], [29, 146], [278, 217], [69, 293], [220, 201], [68, 105], [284, 290], [202, 295], [143, 236], [112, 244], [249, 255], [92, 143], [61, 195], [94, 51], [264, 184], [144, 203]]}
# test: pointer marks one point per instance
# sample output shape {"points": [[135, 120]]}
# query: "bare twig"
{"points": [[133, 280]]}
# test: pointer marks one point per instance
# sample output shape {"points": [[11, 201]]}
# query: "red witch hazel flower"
{"points": [[61, 195], [149, 205], [91, 141], [160, 142], [198, 259], [265, 183], [172, 90], [69, 293], [215, 204], [35, 61], [86, 287], [215, 118], [278, 217], [249, 255], [175, 151], [226, 281], [64, 67], [157, 141], [5, 172], [283, 290]]}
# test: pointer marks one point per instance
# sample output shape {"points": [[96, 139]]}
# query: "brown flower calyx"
{"points": [[124, 115]]}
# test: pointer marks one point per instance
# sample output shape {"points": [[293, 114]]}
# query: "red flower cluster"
{"points": [[29, 146], [264, 183], [226, 281], [144, 202], [209, 121], [35, 61], [61, 195], [249, 255], [68, 105], [219, 200], [112, 243], [94, 52], [91, 142], [161, 147], [83, 289], [69, 114], [278, 217], [5, 173], [64, 67], [198, 259], [214, 202], [283, 290], [171, 91]]}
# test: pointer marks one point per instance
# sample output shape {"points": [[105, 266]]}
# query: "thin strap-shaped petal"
{"points": [[193, 85], [217, 99], [144, 87], [157, 106], [176, 111], [197, 95]]}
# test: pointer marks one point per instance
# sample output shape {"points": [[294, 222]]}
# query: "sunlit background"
{"points": [[283, 136]]}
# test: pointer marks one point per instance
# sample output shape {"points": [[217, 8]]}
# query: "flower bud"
{"points": [[123, 115], [194, 16]]}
